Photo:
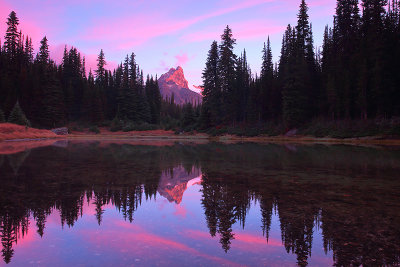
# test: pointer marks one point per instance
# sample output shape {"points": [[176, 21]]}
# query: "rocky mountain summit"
{"points": [[174, 82]]}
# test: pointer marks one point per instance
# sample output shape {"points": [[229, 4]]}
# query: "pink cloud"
{"points": [[163, 66], [246, 30], [235, 7], [152, 25], [198, 89], [181, 59]]}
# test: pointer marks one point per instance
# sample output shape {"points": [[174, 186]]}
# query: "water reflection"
{"points": [[265, 204]]}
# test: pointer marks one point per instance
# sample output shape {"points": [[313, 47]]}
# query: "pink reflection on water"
{"points": [[152, 240], [259, 240], [143, 244], [244, 242]]}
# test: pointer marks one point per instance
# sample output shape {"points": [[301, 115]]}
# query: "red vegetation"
{"points": [[9, 131]]}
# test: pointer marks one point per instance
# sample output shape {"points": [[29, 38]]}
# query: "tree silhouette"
{"points": [[17, 116], [12, 36]]}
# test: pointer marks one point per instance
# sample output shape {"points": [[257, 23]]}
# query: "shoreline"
{"points": [[16, 133], [369, 140], [19, 145]]}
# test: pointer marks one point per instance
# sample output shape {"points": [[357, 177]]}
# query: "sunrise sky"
{"points": [[162, 34]]}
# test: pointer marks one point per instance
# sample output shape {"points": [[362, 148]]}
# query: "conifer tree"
{"points": [[157, 99], [241, 89], [127, 99], [372, 49], [29, 50], [302, 28], [12, 36], [2, 116], [100, 71], [188, 116], [269, 103], [344, 47], [298, 85], [133, 75], [226, 69], [267, 67], [153, 98], [211, 108], [43, 55], [17, 116], [53, 113]]}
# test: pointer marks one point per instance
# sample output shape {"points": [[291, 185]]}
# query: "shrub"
{"points": [[77, 128], [106, 123], [2, 117], [94, 129], [169, 123], [116, 124], [130, 126], [394, 129], [146, 127], [17, 116]]}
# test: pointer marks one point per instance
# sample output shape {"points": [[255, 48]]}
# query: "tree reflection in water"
{"points": [[351, 193]]}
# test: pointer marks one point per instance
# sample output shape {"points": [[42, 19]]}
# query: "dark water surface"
{"points": [[102, 204]]}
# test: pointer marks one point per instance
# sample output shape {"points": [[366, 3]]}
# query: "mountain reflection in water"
{"points": [[247, 204]]}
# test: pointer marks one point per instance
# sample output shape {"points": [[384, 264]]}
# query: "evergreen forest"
{"points": [[350, 86]]}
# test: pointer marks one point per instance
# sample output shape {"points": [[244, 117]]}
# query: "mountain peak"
{"points": [[177, 76], [174, 82]]}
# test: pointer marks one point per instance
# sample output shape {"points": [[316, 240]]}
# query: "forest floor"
{"points": [[30, 136]]}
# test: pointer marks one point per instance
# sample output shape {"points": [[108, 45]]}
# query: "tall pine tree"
{"points": [[226, 69], [211, 108], [12, 37]]}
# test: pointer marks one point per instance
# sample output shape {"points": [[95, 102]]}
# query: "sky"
{"points": [[162, 34]]}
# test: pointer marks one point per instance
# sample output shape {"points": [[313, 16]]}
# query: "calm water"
{"points": [[94, 204]]}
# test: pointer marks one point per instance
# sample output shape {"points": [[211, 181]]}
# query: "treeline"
{"points": [[352, 85], [53, 95], [354, 77]]}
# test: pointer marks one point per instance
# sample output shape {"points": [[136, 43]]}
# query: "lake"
{"points": [[185, 204]]}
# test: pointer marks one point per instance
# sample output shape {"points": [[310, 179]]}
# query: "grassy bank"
{"points": [[9, 131]]}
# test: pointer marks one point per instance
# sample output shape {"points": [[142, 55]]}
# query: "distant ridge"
{"points": [[174, 82]]}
